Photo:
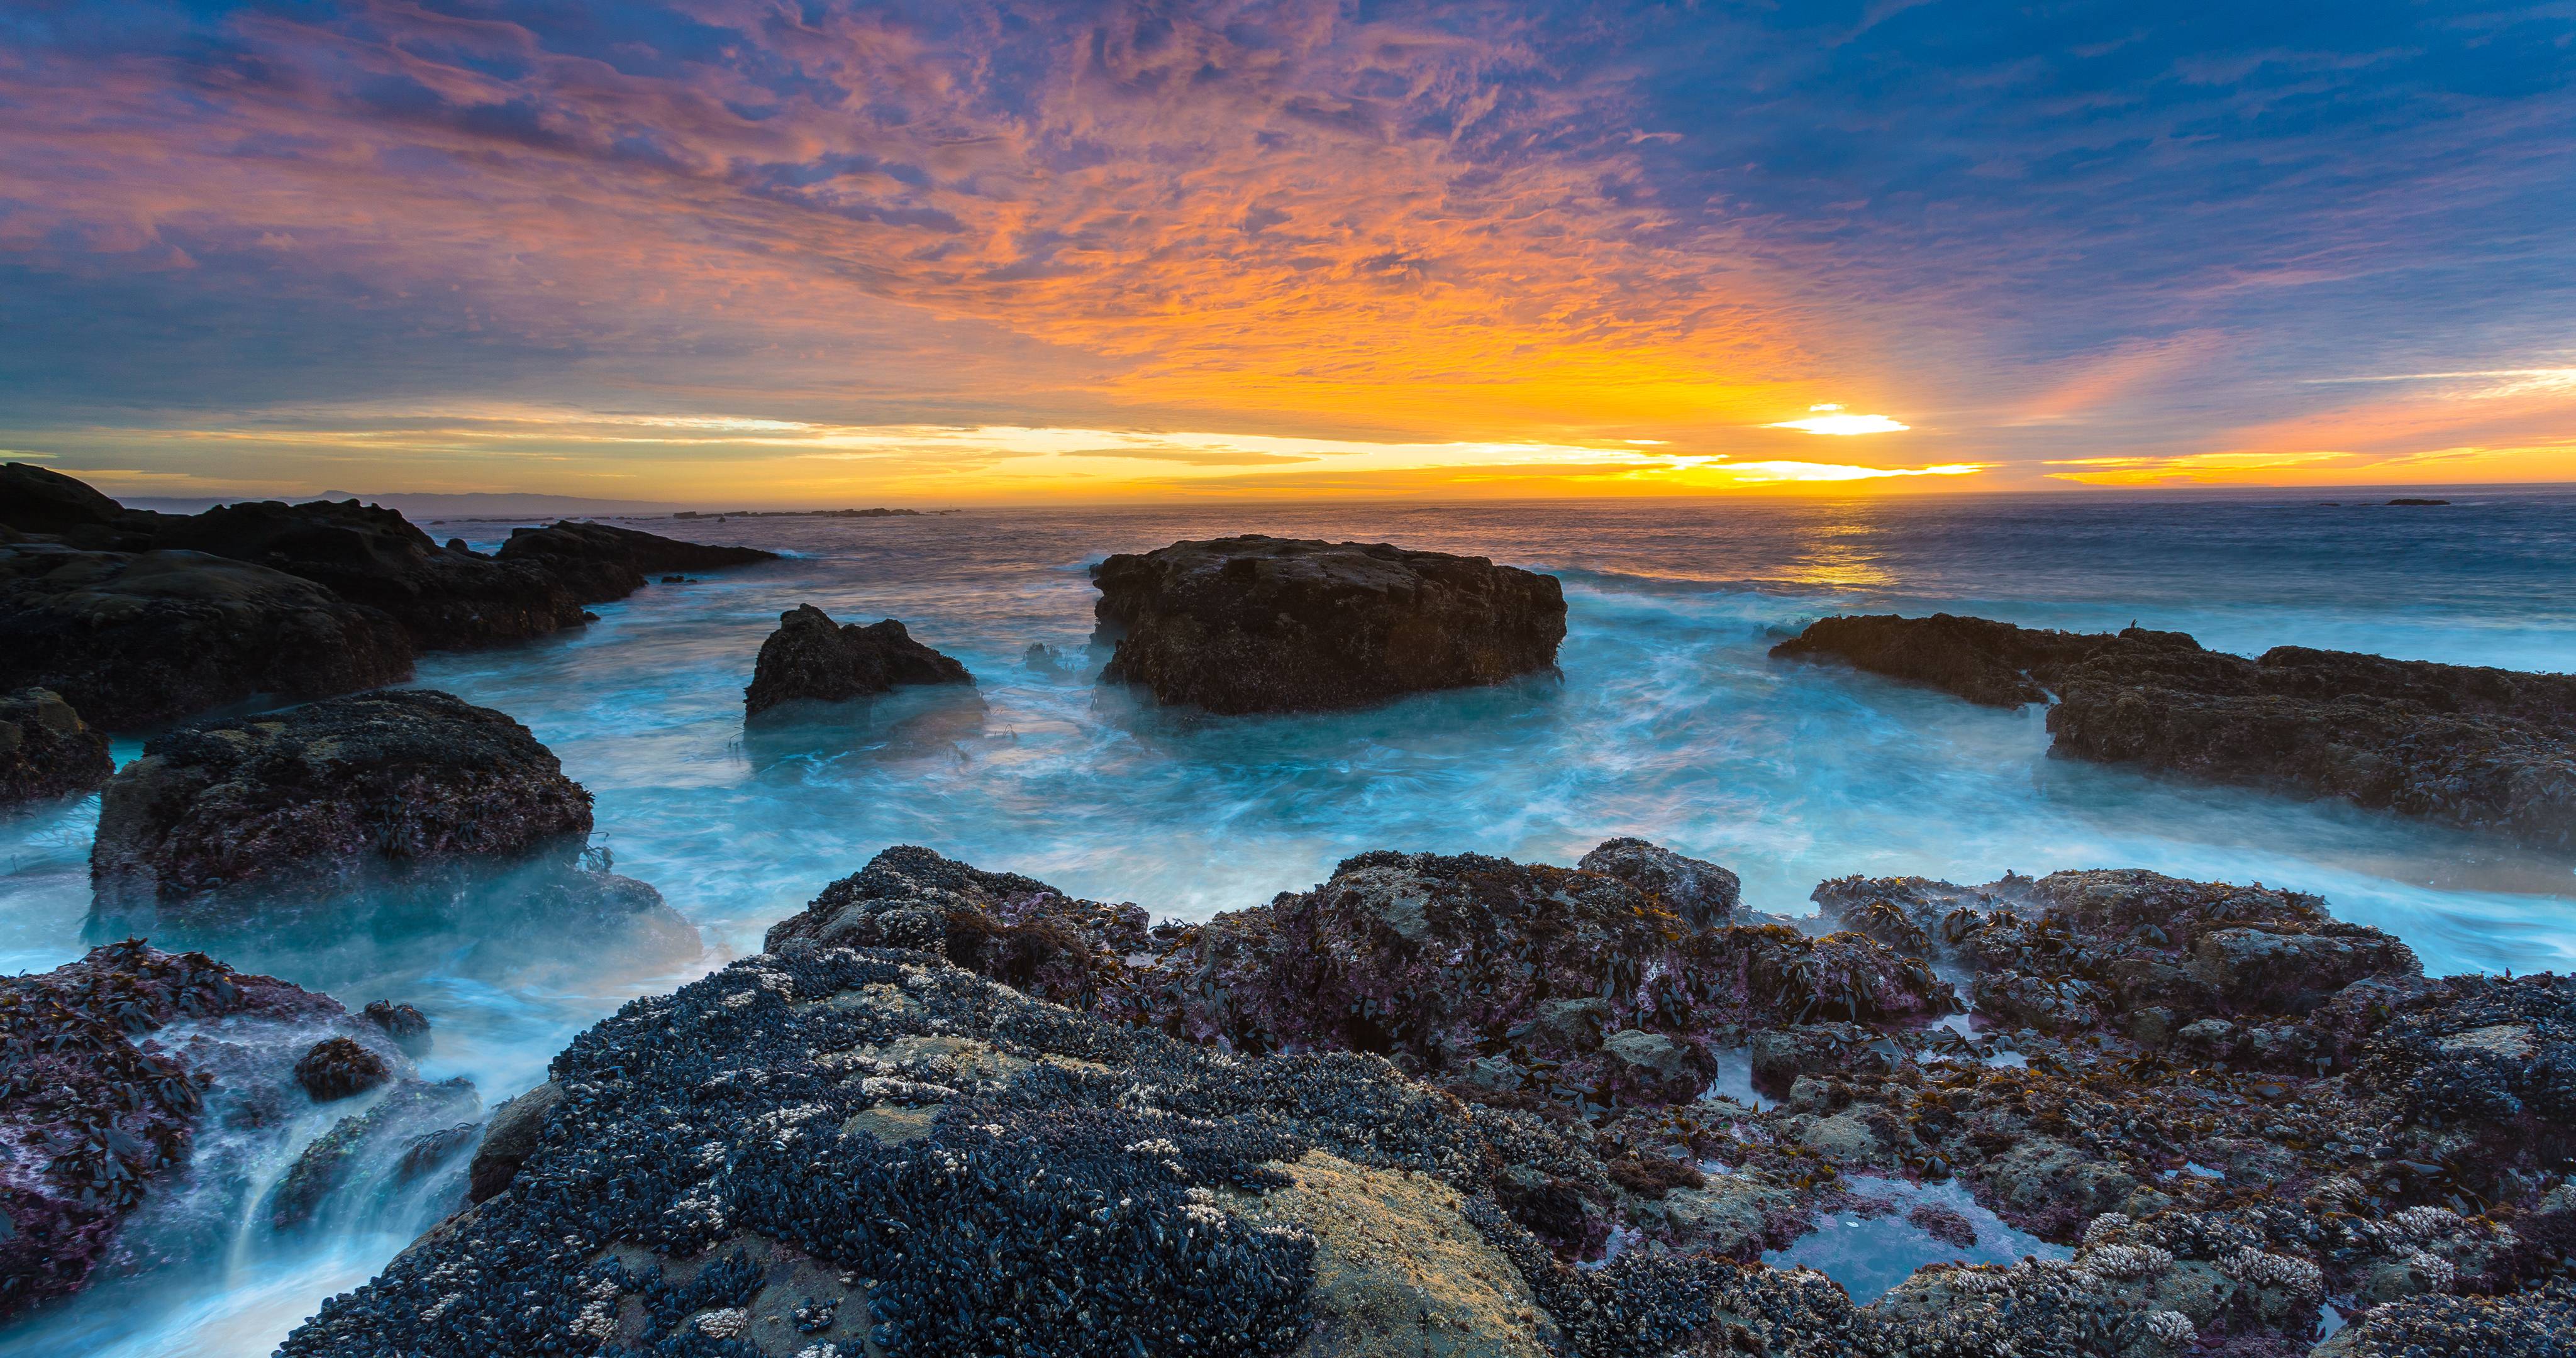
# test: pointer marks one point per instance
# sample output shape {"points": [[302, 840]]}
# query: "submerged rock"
{"points": [[2486, 749], [336, 1068], [319, 798], [812, 657], [601, 562], [416, 1129], [100, 1102], [133, 640], [46, 750], [1260, 624]]}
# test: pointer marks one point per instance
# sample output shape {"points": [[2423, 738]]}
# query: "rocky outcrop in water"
{"points": [[101, 1105], [837, 1149], [2486, 749], [322, 797], [445, 598], [601, 562], [1260, 624], [46, 750], [812, 658], [138, 639]]}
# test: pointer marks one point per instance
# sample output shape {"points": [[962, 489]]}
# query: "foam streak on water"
{"points": [[1669, 722]]}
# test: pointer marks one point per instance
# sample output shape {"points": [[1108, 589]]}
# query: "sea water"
{"points": [[1668, 721]]}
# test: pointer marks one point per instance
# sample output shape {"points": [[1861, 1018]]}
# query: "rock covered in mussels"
{"points": [[1014, 929], [602, 562], [811, 657], [2487, 749], [1261, 624], [46, 750], [137, 639], [98, 1111], [316, 798], [1513, 974]]}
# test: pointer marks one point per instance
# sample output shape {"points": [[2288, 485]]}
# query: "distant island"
{"points": [[807, 514]]}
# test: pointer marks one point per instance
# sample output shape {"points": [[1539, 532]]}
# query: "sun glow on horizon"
{"points": [[1833, 419]]}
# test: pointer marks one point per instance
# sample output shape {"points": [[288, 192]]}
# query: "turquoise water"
{"points": [[1669, 721]]}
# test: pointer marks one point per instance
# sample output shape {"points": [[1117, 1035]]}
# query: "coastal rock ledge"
{"points": [[2223, 1113], [1261, 624], [2484, 749]]}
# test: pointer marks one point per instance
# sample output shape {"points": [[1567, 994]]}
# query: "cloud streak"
{"points": [[2024, 239]]}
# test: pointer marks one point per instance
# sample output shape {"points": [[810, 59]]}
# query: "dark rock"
{"points": [[336, 1068], [371, 555], [1017, 930], [40, 501], [136, 640], [1645, 1067], [601, 562], [811, 657], [316, 798], [509, 1138], [46, 750], [1779, 1056], [1701, 893], [1993, 663], [2486, 749], [1438, 961], [1944, 1224], [103, 1114], [401, 1022], [405, 1134], [2410, 500], [1259, 624]]}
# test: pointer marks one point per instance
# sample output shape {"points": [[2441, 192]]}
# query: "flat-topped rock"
{"points": [[46, 750], [1261, 624], [601, 562], [2486, 749], [321, 797], [138, 639], [813, 658]]}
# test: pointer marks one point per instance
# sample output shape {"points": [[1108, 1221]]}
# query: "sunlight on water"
{"points": [[1669, 722]]}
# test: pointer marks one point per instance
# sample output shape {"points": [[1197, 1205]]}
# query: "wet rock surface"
{"points": [[602, 562], [1336, 1125], [1260, 624], [812, 658], [317, 798], [138, 639], [2486, 749], [101, 1100], [46, 750]]}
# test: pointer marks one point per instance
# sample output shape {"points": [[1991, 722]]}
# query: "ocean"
{"points": [[1668, 721]]}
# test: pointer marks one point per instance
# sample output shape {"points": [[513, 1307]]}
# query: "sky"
{"points": [[781, 253]]}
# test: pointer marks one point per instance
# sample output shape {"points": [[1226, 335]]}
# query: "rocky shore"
{"points": [[1261, 624], [140, 618], [110, 1068], [2485, 749], [1464, 1105]]}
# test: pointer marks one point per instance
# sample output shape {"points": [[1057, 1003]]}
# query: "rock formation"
{"points": [[2230, 1109], [1260, 624], [139, 618], [444, 598], [601, 562], [2486, 749], [46, 750], [318, 798], [135, 640], [811, 657], [98, 1113]]}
